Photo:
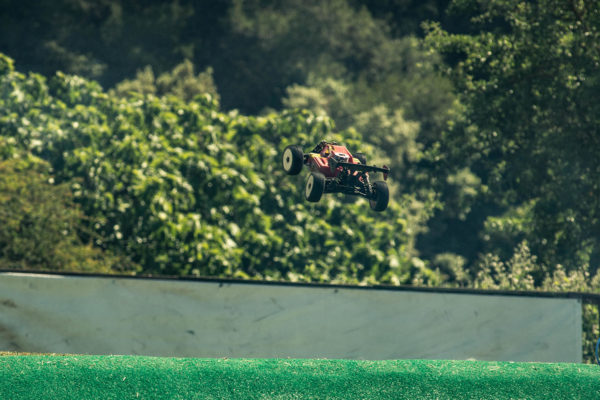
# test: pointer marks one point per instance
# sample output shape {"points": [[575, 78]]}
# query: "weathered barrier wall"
{"points": [[105, 315]]}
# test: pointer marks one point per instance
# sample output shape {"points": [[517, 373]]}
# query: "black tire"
{"points": [[315, 187], [361, 157], [293, 159], [382, 196]]}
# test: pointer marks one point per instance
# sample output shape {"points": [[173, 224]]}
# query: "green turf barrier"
{"points": [[131, 377]]}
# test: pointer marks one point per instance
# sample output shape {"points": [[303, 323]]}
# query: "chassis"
{"points": [[333, 169]]}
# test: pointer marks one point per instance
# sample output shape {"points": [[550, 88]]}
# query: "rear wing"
{"points": [[360, 167]]}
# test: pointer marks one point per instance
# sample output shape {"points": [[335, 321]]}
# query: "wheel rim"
{"points": [[309, 185], [287, 159]]}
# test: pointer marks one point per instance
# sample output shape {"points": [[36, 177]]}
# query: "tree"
{"points": [[181, 82], [528, 79]]}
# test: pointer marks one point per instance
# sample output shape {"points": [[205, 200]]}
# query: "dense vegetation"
{"points": [[170, 163], [181, 188]]}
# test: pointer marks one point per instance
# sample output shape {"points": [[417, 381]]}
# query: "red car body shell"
{"points": [[320, 161]]}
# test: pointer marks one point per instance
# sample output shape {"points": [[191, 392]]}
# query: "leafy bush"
{"points": [[39, 223], [183, 188]]}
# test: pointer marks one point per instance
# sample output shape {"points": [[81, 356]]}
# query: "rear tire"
{"points": [[293, 159], [381, 198], [315, 187]]}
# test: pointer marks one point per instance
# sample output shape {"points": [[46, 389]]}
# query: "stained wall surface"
{"points": [[101, 315]]}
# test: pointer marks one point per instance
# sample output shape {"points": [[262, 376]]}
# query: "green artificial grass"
{"points": [[131, 377]]}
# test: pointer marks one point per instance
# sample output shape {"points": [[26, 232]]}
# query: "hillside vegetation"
{"points": [[486, 112], [183, 188]]}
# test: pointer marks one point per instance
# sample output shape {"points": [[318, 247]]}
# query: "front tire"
{"points": [[293, 159], [381, 196], [315, 187]]}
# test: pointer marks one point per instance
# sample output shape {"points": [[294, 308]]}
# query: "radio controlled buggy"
{"points": [[333, 169]]}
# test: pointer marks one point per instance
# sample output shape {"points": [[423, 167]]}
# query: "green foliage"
{"points": [[183, 188], [528, 79], [6, 64], [395, 96], [257, 49], [181, 82], [39, 223], [326, 97], [405, 16], [105, 40]]}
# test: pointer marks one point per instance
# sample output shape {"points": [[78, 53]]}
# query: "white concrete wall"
{"points": [[44, 313]]}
